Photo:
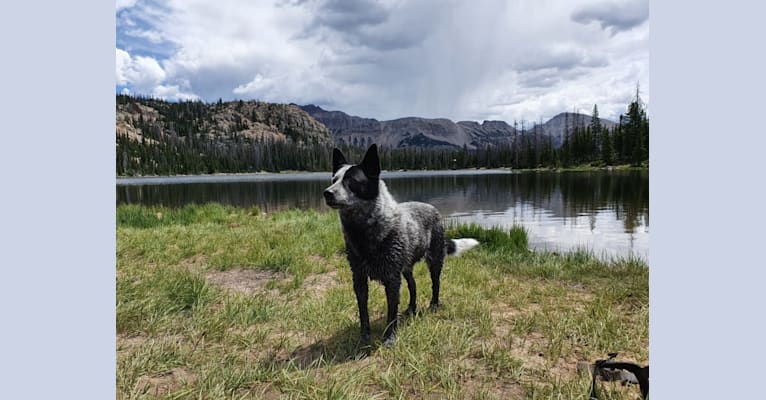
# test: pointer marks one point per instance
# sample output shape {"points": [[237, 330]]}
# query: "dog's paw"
{"points": [[363, 352], [433, 307], [411, 312], [364, 340], [390, 341]]}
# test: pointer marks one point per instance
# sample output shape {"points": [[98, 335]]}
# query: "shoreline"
{"points": [[234, 176]]}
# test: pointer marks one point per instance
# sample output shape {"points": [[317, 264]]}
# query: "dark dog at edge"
{"points": [[384, 239]]}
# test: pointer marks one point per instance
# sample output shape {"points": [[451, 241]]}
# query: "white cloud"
{"points": [[172, 92], [489, 60], [123, 61], [259, 84], [142, 73], [150, 35], [125, 4]]}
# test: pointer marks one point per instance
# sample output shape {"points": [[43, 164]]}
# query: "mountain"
{"points": [[153, 120], [410, 131], [438, 132], [555, 126]]}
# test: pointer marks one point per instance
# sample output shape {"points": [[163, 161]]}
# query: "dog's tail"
{"points": [[458, 246]]}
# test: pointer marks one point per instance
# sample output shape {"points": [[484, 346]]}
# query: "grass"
{"points": [[595, 166], [221, 302]]}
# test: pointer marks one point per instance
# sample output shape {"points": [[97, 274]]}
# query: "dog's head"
{"points": [[353, 184]]}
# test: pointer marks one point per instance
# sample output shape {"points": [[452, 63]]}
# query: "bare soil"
{"points": [[247, 281]]}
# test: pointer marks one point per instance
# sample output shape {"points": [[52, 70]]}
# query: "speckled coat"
{"points": [[384, 239]]}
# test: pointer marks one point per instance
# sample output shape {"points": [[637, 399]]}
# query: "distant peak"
{"points": [[311, 107]]}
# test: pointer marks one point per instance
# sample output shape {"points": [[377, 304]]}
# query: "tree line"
{"points": [[189, 150]]}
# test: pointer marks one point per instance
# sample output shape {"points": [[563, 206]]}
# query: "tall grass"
{"points": [[137, 216], [494, 238]]}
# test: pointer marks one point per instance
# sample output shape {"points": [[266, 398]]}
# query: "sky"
{"points": [[463, 60]]}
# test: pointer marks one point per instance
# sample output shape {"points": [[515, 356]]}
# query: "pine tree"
{"points": [[607, 150], [636, 131], [595, 130]]}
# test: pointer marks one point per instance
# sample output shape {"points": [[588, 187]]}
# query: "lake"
{"points": [[604, 211]]}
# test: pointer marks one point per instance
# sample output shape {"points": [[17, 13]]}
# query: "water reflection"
{"points": [[604, 211], [268, 195]]}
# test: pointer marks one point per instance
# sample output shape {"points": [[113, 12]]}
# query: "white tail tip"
{"points": [[462, 245]]}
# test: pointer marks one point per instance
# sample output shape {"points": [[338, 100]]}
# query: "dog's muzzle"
{"points": [[329, 198]]}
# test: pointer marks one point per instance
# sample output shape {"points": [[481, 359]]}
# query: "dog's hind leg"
{"points": [[361, 290], [392, 297], [435, 267], [435, 260], [407, 273]]}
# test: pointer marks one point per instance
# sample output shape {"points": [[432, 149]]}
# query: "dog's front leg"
{"points": [[392, 297], [360, 288]]}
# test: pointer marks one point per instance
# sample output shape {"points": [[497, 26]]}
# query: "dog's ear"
{"points": [[371, 163], [337, 160]]}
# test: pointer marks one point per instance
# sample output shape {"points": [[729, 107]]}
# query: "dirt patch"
{"points": [[579, 299], [317, 284], [125, 342], [130, 342], [504, 317], [266, 392], [478, 380], [529, 347], [507, 390], [332, 262], [317, 259], [490, 385], [248, 281], [164, 382]]}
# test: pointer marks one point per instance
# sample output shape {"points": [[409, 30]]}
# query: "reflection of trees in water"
{"points": [[624, 192], [564, 195], [268, 196]]}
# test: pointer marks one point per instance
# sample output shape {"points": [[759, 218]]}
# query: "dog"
{"points": [[384, 239]]}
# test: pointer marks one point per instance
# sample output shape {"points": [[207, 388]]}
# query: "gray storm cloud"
{"points": [[617, 16]]}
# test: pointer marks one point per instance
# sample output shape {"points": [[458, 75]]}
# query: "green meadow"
{"points": [[222, 302]]}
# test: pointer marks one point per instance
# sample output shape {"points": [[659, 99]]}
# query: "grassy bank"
{"points": [[219, 302], [589, 167]]}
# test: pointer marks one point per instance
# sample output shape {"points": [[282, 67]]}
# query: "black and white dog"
{"points": [[384, 239]]}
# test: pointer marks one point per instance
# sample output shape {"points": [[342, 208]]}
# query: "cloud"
{"points": [[121, 4], [614, 16], [559, 59], [379, 25], [150, 35], [348, 16], [140, 28], [172, 92], [547, 77], [140, 72], [387, 59], [145, 76], [258, 83]]}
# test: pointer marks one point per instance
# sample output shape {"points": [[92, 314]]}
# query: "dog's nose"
{"points": [[327, 194]]}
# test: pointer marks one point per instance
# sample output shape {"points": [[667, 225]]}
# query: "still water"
{"points": [[604, 211]]}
